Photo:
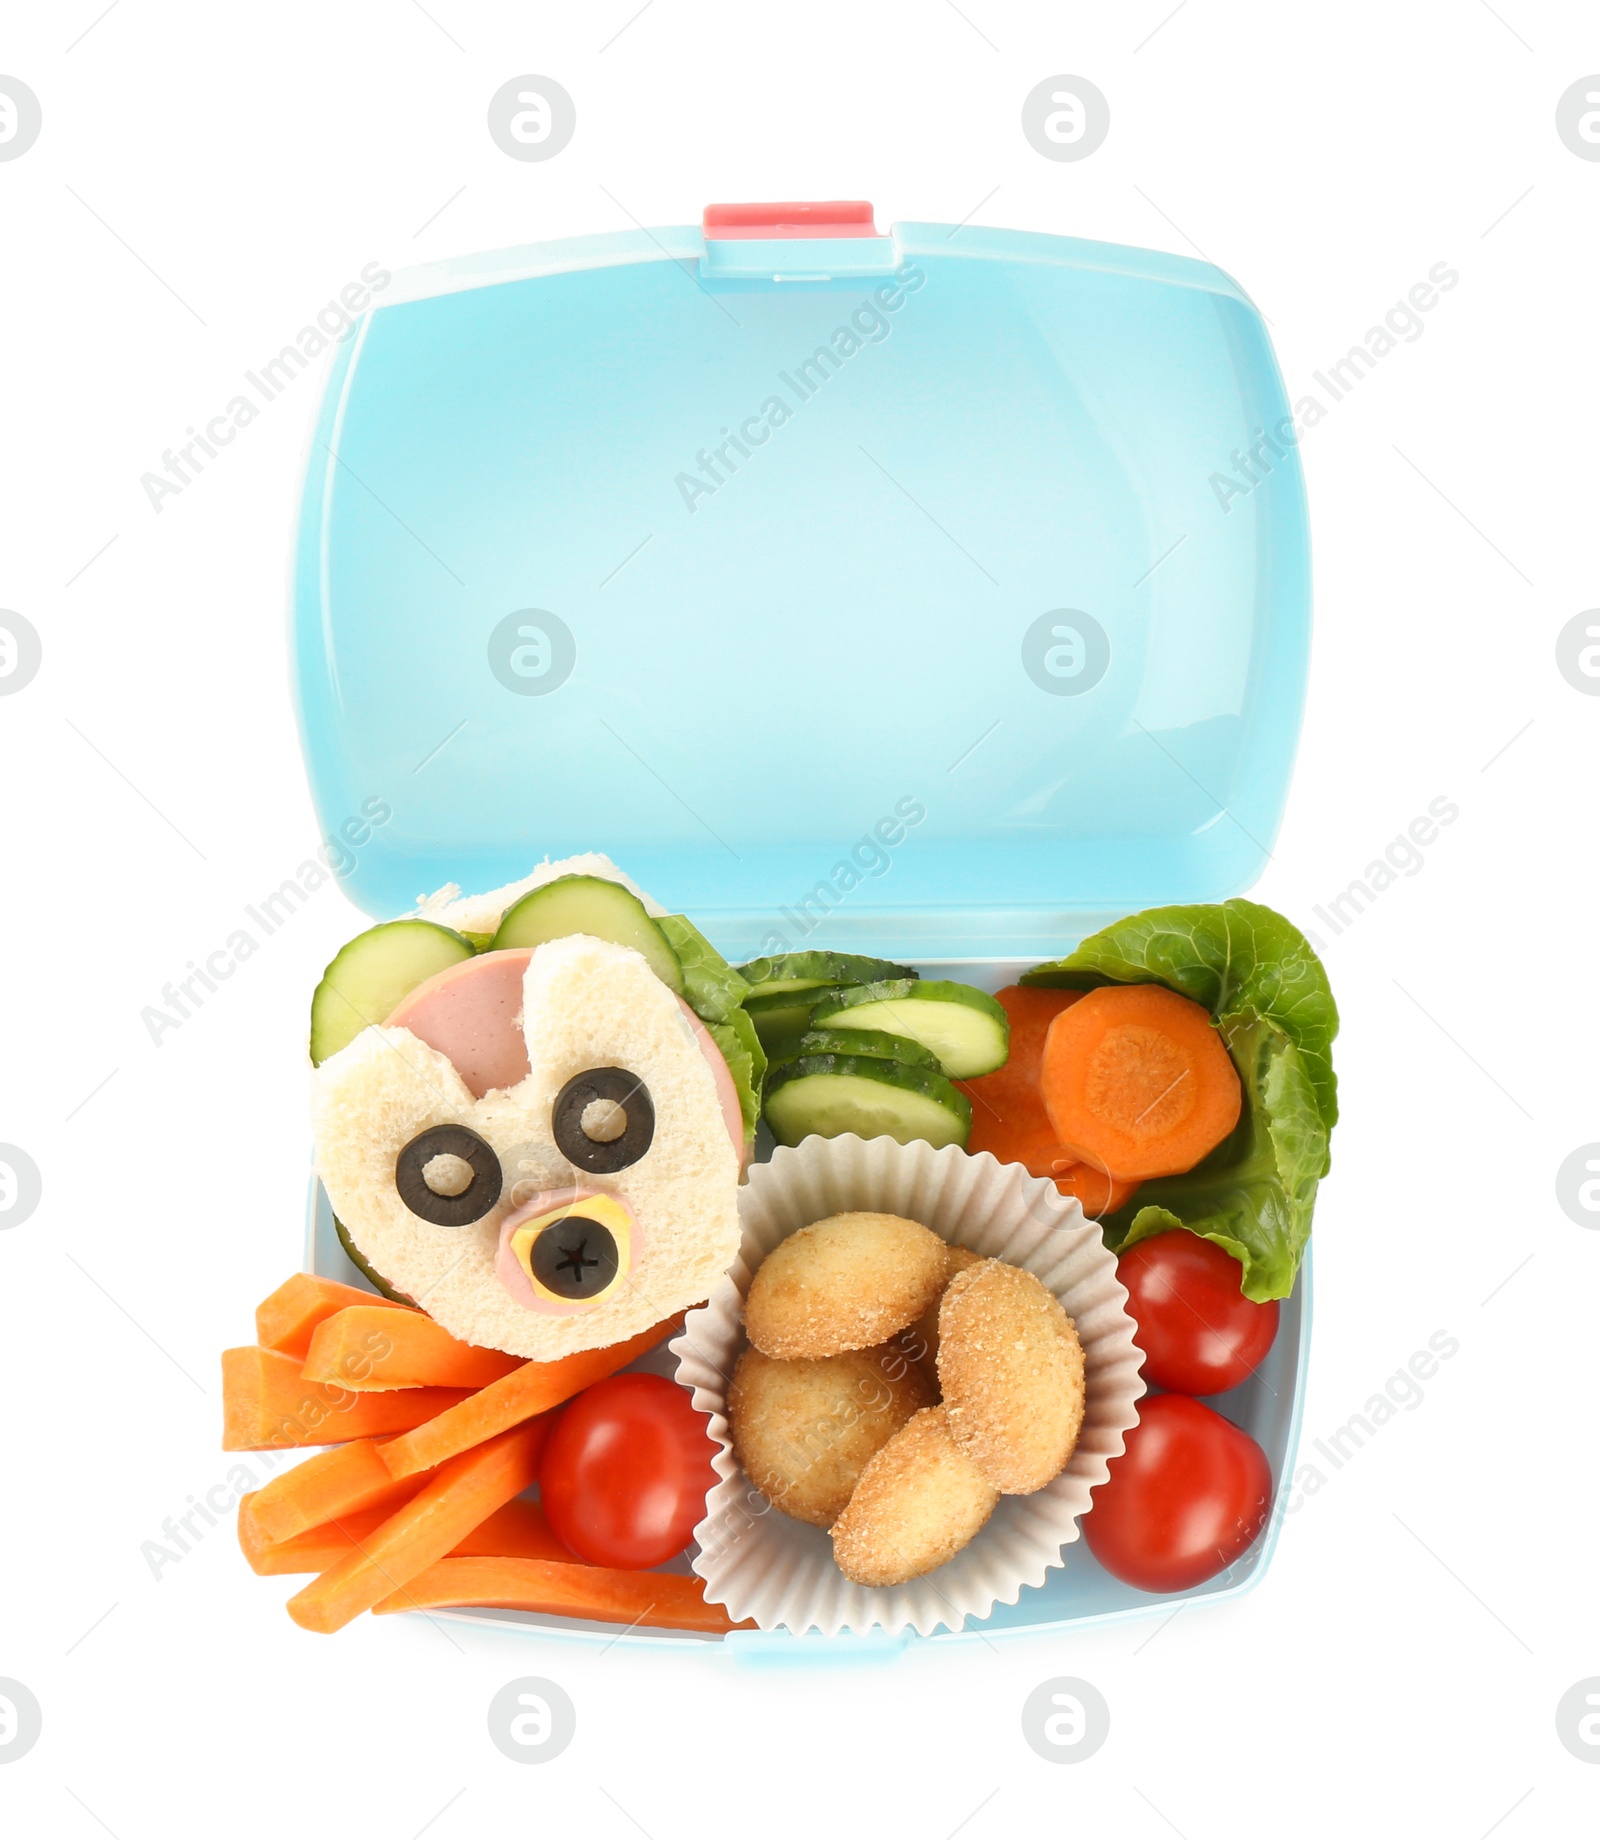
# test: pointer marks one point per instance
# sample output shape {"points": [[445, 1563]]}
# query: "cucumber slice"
{"points": [[966, 1028], [825, 1095], [589, 904], [783, 1016], [367, 979], [808, 970], [378, 1282], [783, 987], [871, 1042]]}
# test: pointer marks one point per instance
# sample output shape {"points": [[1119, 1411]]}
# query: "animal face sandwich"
{"points": [[540, 1142]]}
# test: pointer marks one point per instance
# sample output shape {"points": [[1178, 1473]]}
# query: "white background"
{"points": [[1400, 1666]]}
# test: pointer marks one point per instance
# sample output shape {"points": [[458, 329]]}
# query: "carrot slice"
{"points": [[375, 1350], [1137, 1083], [660, 1600], [519, 1530], [267, 1406], [285, 1320], [1008, 1115], [463, 1495], [332, 1485], [1099, 1193], [534, 1387]]}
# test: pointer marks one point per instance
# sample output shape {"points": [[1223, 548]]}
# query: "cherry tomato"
{"points": [[1186, 1497], [1199, 1333], [626, 1470]]}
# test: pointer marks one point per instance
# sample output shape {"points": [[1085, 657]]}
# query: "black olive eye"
{"points": [[575, 1258], [603, 1120], [449, 1204]]}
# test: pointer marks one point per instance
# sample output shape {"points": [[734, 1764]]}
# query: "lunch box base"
{"points": [[1080, 1594]]}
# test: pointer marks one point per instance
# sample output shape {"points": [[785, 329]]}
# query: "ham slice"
{"points": [[472, 1014]]}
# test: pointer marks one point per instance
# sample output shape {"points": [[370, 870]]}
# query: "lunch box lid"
{"points": [[933, 592]]}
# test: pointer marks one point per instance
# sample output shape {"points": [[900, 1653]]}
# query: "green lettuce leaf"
{"points": [[713, 988], [716, 994], [1257, 975], [1254, 1193], [747, 1062]]}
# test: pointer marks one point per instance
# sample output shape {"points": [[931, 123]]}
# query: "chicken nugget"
{"points": [[803, 1431], [851, 1281], [919, 1501], [921, 1340], [1011, 1375]]}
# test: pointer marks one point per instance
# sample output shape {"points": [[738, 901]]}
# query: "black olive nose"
{"points": [[575, 1258]]}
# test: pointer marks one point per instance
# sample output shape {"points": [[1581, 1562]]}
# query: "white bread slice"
{"points": [[480, 913], [586, 1003]]}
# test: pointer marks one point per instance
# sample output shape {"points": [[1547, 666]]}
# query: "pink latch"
{"points": [[787, 222]]}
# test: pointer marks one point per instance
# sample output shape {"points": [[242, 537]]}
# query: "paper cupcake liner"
{"points": [[762, 1564]]}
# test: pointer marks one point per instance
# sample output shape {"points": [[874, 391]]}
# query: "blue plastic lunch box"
{"points": [[941, 593]]}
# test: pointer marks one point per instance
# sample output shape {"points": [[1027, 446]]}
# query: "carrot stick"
{"points": [[315, 1549], [1137, 1082], [534, 1387], [464, 1494], [266, 1405], [333, 1485], [519, 1530], [286, 1319], [660, 1600], [1008, 1115], [375, 1350]]}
